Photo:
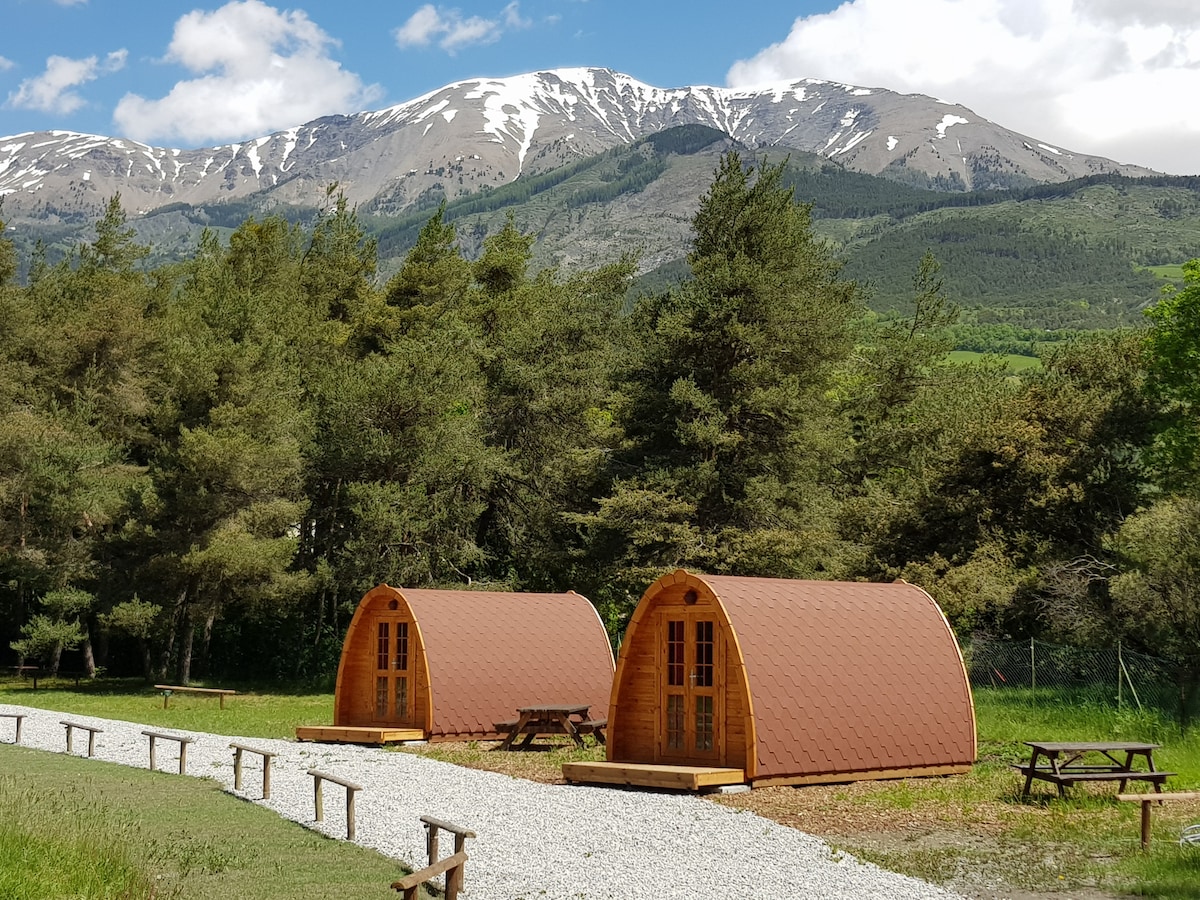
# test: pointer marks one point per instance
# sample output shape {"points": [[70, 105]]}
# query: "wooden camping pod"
{"points": [[790, 682], [450, 664]]}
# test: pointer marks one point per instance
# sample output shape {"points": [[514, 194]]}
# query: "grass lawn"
{"points": [[972, 833], [1015, 363], [92, 830]]}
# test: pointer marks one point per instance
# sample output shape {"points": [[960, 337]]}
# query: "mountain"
{"points": [[488, 132], [595, 164]]}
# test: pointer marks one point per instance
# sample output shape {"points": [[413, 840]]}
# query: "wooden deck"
{"points": [[343, 734], [682, 778]]}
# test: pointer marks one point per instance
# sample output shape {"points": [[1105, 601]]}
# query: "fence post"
{"points": [[1032, 667]]}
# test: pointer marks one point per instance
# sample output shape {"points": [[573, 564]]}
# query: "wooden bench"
{"points": [[169, 689], [90, 729], [20, 717], [318, 800], [1075, 774], [267, 756], [452, 865], [26, 671], [594, 727], [1146, 800], [182, 741]]}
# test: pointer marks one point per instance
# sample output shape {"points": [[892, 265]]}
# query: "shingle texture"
{"points": [[849, 677], [491, 652]]}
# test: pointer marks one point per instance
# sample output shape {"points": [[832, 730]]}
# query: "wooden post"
{"points": [[1145, 824], [182, 757], [91, 743], [350, 792], [69, 731], [318, 800], [266, 778], [237, 768], [431, 841], [454, 877], [151, 752]]}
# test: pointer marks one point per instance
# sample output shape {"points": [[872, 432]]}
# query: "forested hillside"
{"points": [[1063, 257], [204, 464]]}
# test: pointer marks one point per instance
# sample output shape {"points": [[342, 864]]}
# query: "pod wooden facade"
{"points": [[448, 665], [772, 681]]}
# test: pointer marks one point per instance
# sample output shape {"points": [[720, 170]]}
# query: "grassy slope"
{"points": [[190, 840]]}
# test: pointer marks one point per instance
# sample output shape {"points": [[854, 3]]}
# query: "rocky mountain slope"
{"points": [[487, 132]]}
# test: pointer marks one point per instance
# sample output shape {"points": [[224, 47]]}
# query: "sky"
{"points": [[1115, 78]]}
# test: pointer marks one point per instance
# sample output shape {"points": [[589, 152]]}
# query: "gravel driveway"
{"points": [[534, 840]]}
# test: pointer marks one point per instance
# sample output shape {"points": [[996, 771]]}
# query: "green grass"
{"points": [[90, 830], [1042, 843], [1015, 362], [1170, 273], [252, 713]]}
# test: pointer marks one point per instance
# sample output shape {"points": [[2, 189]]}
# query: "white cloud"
{"points": [[6, 64], [1097, 76], [451, 31], [257, 70], [52, 91]]}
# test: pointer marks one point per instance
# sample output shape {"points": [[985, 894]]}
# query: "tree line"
{"points": [[204, 465]]}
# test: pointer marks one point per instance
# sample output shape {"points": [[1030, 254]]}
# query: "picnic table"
{"points": [[569, 719], [1063, 763]]}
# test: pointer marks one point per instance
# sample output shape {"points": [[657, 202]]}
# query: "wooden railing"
{"points": [[267, 756], [319, 801], [452, 865]]}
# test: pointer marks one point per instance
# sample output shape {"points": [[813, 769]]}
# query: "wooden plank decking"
{"points": [[683, 778], [344, 734]]}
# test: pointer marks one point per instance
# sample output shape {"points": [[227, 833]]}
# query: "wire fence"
{"points": [[1045, 673]]}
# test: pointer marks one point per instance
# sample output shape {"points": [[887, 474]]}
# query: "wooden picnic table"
{"points": [[1066, 762], [547, 719]]}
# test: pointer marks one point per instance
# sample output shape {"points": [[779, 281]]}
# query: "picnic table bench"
{"points": [[169, 689], [1069, 762]]}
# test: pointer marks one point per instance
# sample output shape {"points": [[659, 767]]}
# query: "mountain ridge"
{"points": [[489, 131]]}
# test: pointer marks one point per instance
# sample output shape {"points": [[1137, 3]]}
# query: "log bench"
{"points": [[452, 865], [267, 756], [90, 729], [1147, 799], [20, 717], [169, 689], [182, 741], [319, 803]]}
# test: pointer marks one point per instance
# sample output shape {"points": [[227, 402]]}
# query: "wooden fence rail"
{"points": [[267, 756], [1147, 799], [452, 865], [319, 802], [182, 741]]}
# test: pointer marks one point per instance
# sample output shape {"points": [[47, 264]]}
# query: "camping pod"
{"points": [[725, 680], [448, 665]]}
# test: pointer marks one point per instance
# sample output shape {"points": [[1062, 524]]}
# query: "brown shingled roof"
{"points": [[848, 677], [491, 652]]}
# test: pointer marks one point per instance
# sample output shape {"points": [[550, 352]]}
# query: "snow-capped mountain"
{"points": [[490, 131]]}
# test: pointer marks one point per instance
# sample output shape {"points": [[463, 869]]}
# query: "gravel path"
{"points": [[535, 840]]}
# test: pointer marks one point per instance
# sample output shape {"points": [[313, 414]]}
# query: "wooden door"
{"points": [[690, 703], [393, 672]]}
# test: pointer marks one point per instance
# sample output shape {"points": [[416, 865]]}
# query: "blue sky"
{"points": [[1113, 77]]}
